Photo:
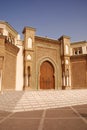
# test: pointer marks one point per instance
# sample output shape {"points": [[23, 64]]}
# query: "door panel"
{"points": [[47, 76]]}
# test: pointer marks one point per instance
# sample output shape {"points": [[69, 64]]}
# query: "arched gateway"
{"points": [[47, 79]]}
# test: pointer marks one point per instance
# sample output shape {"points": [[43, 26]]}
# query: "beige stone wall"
{"points": [[48, 51], [9, 71], [79, 72]]}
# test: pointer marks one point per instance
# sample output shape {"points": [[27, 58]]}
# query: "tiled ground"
{"points": [[66, 118], [38, 100], [44, 110]]}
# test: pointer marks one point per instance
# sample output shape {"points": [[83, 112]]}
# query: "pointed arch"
{"points": [[55, 69], [29, 42], [67, 49], [28, 57]]}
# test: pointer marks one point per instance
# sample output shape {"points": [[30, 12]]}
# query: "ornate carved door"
{"points": [[47, 80]]}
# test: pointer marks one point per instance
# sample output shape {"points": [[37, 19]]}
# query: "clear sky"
{"points": [[52, 18]]}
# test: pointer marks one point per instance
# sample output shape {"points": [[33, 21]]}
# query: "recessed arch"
{"points": [[67, 49], [28, 57], [55, 66], [29, 42]]}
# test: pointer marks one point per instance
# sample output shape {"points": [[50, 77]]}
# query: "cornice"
{"points": [[80, 42], [46, 39], [64, 36], [7, 24], [28, 28], [78, 56]]}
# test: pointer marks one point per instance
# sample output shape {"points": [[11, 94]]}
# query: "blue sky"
{"points": [[52, 18]]}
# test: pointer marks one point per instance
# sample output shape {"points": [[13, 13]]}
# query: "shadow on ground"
{"points": [[9, 100]]}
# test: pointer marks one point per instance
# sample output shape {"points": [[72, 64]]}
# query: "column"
{"points": [[26, 80], [1, 80], [63, 79], [67, 81]]}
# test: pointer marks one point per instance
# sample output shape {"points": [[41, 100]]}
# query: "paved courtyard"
{"points": [[43, 110], [38, 100]]}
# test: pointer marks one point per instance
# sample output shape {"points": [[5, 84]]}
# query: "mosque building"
{"points": [[40, 63]]}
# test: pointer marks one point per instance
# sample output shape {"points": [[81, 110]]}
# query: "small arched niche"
{"points": [[67, 49], [28, 57], [30, 42]]}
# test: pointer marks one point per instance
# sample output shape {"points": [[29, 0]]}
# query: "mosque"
{"points": [[40, 63]]}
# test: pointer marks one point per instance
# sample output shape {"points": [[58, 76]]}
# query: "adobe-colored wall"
{"points": [[9, 77], [9, 54], [48, 51], [79, 72]]}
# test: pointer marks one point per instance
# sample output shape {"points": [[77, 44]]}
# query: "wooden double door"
{"points": [[47, 79]]}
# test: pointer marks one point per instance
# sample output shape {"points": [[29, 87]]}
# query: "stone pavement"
{"points": [[66, 118], [38, 100], [44, 110]]}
